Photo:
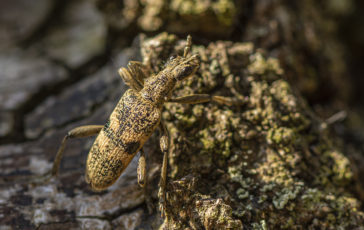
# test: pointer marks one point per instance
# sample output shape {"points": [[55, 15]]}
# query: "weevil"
{"points": [[136, 116]]}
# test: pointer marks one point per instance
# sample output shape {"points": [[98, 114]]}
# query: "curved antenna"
{"points": [[188, 46]]}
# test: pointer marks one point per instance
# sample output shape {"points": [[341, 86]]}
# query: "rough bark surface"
{"points": [[272, 162]]}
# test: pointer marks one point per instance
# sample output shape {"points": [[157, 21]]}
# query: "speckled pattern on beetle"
{"points": [[134, 119]]}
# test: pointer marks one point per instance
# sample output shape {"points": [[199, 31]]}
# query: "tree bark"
{"points": [[267, 162]]}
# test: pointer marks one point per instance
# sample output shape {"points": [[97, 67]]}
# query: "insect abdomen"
{"points": [[129, 126]]}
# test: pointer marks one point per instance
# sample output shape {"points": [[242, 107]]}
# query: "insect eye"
{"points": [[185, 72]]}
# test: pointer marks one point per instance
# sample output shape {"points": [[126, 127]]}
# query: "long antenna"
{"points": [[188, 46]]}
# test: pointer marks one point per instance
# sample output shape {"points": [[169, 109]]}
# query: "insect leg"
{"points": [[134, 75], [141, 169], [130, 79], [202, 98], [82, 131], [139, 70], [142, 180], [164, 144]]}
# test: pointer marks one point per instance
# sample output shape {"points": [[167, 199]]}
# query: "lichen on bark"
{"points": [[266, 162], [209, 17]]}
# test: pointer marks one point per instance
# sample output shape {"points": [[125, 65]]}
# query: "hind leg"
{"points": [[82, 131]]}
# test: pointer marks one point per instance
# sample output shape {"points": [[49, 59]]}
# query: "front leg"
{"points": [[202, 98], [164, 145], [139, 69], [134, 75], [130, 79]]}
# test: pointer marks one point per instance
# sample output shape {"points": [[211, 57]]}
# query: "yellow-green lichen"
{"points": [[262, 225], [211, 17], [282, 197], [225, 10], [259, 65], [242, 193], [268, 151], [281, 136], [341, 168]]}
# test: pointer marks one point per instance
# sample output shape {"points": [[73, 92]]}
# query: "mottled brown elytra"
{"points": [[134, 119]]}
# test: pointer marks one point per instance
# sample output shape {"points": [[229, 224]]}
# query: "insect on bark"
{"points": [[136, 116]]}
